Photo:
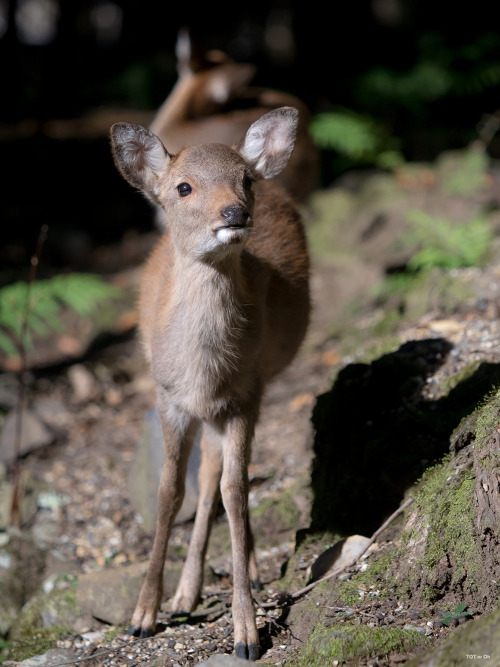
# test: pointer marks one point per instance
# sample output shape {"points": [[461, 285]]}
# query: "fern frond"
{"points": [[36, 309], [348, 133], [446, 244]]}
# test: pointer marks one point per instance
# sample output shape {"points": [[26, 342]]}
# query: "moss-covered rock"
{"points": [[55, 606], [452, 534], [22, 563], [348, 643]]}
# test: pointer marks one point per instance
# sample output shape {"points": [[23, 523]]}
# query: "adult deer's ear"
{"points": [[139, 156], [269, 141]]}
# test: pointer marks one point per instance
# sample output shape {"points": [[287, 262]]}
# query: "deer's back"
{"points": [[277, 266]]}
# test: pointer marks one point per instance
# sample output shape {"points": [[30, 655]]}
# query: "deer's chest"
{"points": [[205, 360]]}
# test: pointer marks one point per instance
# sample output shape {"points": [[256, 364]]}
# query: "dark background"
{"points": [[428, 71]]}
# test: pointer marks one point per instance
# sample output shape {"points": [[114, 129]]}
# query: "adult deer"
{"points": [[224, 306], [212, 102]]}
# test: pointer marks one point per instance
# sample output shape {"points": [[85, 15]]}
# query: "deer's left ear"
{"points": [[269, 141], [139, 156]]}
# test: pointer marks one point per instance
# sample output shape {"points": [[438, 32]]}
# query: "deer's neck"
{"points": [[209, 299]]}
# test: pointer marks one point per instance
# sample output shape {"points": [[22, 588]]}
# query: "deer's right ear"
{"points": [[139, 156]]}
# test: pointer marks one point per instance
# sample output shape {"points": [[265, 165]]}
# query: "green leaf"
{"points": [[347, 133], [36, 309], [7, 345]]}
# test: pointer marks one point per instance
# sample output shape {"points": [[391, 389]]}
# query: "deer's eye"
{"points": [[184, 189], [248, 182]]}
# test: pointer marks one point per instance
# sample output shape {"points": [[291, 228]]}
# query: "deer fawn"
{"points": [[212, 101], [224, 306]]}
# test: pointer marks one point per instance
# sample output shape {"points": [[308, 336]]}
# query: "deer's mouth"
{"points": [[233, 233], [236, 225]]}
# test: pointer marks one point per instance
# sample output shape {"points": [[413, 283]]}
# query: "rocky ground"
{"points": [[84, 538]]}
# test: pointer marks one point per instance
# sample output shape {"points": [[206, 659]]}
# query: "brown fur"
{"points": [[224, 306]]}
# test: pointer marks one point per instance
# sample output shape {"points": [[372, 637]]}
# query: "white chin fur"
{"points": [[229, 236]]}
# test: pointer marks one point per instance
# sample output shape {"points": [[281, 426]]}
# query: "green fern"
{"points": [[358, 138], [445, 244], [35, 309], [347, 133]]}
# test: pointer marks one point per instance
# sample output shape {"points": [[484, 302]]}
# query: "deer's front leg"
{"points": [[178, 433], [234, 488], [189, 588]]}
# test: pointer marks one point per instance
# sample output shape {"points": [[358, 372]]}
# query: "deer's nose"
{"points": [[235, 215]]}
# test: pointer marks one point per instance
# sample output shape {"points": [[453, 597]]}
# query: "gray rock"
{"points": [[53, 657], [9, 389], [225, 661], [54, 604], [145, 472], [342, 553], [34, 434], [82, 382], [110, 595], [22, 564]]}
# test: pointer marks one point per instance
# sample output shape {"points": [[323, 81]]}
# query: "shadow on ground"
{"points": [[376, 433]]}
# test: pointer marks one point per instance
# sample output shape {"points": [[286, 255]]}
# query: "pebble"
{"points": [[416, 628]]}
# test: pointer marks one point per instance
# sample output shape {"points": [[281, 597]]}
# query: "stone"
{"points": [[82, 383], [22, 564], [225, 661], [52, 658], [34, 434], [145, 473], [110, 595], [340, 555]]}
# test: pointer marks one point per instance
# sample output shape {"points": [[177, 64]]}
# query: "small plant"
{"points": [[27, 308], [4, 645], [455, 614], [356, 137], [444, 244]]}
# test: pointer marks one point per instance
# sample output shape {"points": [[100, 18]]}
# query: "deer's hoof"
{"points": [[247, 651], [255, 585], [142, 633]]}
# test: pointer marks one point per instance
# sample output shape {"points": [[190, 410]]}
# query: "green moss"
{"points": [[445, 499], [376, 577], [36, 641], [380, 566], [347, 592], [487, 421], [47, 611], [282, 506], [346, 642], [112, 634], [449, 383]]}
